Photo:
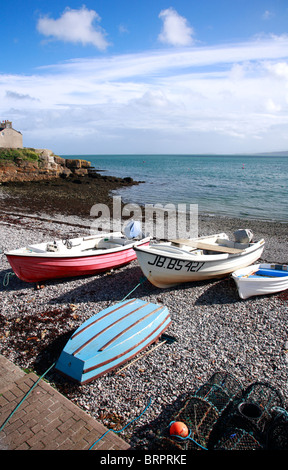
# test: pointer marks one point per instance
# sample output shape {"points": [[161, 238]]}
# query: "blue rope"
{"points": [[143, 279], [7, 278], [117, 432], [187, 437], [25, 396], [6, 282]]}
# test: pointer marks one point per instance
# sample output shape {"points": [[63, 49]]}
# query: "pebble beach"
{"points": [[212, 328]]}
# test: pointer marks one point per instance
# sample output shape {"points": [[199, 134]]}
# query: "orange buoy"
{"points": [[178, 428]]}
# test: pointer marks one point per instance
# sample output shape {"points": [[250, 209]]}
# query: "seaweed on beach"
{"points": [[29, 335]]}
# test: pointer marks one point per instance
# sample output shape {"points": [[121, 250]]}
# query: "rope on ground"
{"points": [[128, 424], [6, 279], [24, 398], [142, 280], [5, 283]]}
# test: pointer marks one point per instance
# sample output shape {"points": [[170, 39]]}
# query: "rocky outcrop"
{"points": [[47, 166]]}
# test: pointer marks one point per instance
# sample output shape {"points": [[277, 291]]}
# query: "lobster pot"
{"points": [[238, 439], [165, 443], [226, 381], [253, 411], [201, 412], [260, 399], [200, 417], [277, 434], [220, 389]]}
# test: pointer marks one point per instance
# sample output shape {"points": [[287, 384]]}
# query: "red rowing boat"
{"points": [[74, 257]]}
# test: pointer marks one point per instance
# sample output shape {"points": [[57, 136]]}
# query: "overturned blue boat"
{"points": [[111, 338]]}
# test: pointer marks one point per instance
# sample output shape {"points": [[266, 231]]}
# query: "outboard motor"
{"points": [[133, 229], [52, 246], [243, 236]]}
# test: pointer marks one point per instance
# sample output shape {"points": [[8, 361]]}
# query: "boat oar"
{"points": [[168, 339]]}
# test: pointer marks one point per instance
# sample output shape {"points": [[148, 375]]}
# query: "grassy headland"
{"points": [[16, 154]]}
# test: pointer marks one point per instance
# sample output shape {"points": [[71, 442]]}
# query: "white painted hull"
{"points": [[166, 265], [261, 279]]}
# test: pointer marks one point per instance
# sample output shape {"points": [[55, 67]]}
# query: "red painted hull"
{"points": [[41, 268]]}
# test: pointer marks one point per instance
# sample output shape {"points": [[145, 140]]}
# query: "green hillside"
{"points": [[16, 154]]}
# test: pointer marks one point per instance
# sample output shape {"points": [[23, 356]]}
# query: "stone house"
{"points": [[9, 137]]}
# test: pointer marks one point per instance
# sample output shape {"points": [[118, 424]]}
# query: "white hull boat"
{"points": [[178, 261], [261, 279]]}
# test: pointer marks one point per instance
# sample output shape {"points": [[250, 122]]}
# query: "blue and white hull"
{"points": [[111, 338], [261, 279]]}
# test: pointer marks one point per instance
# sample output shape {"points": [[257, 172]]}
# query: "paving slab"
{"points": [[45, 419]]}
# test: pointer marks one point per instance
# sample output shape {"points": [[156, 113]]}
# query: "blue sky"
{"points": [[146, 76]]}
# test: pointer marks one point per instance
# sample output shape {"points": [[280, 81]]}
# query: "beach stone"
{"points": [[213, 328]]}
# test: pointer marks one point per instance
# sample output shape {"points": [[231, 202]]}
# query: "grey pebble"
{"points": [[213, 329]]}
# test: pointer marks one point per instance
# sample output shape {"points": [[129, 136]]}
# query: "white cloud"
{"points": [[267, 15], [75, 26], [148, 66], [272, 107], [164, 100], [280, 69], [122, 29], [175, 30]]}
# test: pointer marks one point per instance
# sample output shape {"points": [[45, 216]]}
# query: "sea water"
{"points": [[251, 187]]}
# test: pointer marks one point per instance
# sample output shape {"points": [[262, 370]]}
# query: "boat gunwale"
{"points": [[240, 275], [150, 250], [80, 254]]}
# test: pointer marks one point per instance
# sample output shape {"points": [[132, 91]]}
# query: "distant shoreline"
{"points": [[251, 187], [70, 196], [75, 197], [69, 199], [70, 203], [283, 153]]}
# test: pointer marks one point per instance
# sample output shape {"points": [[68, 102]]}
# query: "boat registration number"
{"points": [[176, 264]]}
